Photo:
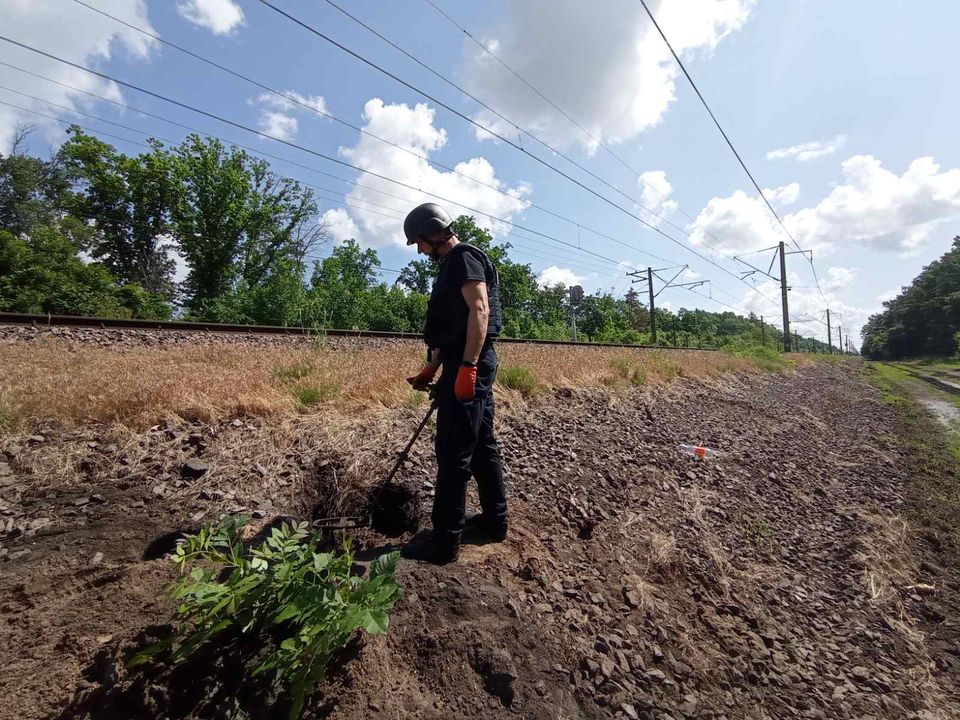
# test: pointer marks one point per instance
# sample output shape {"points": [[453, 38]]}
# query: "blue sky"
{"points": [[840, 110]]}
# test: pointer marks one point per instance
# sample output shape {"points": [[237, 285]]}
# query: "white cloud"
{"points": [[807, 151], [786, 195], [554, 275], [887, 296], [278, 125], [880, 209], [277, 113], [221, 17], [655, 191], [838, 278], [290, 100], [606, 65], [413, 128], [873, 207], [340, 225], [78, 35], [738, 223]]}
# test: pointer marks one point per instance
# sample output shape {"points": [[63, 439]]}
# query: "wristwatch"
{"points": [[467, 363]]}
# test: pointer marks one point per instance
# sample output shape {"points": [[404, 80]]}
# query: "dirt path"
{"points": [[777, 581]]}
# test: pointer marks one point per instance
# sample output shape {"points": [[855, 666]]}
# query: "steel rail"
{"points": [[28, 319]]}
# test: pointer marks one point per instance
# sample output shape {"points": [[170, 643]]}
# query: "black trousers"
{"points": [[466, 446]]}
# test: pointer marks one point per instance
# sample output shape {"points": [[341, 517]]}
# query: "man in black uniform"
{"points": [[463, 318]]}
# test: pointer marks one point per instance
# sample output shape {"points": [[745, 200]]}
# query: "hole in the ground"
{"points": [[166, 543], [395, 509]]}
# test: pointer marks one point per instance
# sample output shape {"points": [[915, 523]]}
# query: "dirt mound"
{"points": [[777, 580]]}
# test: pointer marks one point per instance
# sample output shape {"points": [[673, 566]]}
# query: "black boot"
{"points": [[483, 529], [435, 547]]}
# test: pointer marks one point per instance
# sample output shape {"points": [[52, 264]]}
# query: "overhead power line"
{"points": [[575, 264], [495, 134], [293, 98], [245, 147], [612, 261], [724, 134], [311, 151], [519, 128], [599, 143]]}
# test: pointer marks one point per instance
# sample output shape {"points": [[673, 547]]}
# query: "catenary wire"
{"points": [[725, 137]]}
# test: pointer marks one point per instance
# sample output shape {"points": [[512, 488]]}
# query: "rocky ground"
{"points": [[118, 339], [776, 580]]}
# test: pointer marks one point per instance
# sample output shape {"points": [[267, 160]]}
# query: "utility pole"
{"points": [[840, 338], [763, 333], [576, 297], [651, 273], [780, 252], [783, 293], [829, 335], [796, 342], [653, 312]]}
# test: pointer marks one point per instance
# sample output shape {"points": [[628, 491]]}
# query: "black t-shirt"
{"points": [[447, 312]]}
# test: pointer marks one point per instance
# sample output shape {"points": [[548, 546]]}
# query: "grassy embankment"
{"points": [[934, 448], [58, 382]]}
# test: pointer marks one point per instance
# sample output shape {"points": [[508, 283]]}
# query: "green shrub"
{"points": [[627, 371], [305, 605], [519, 378], [309, 395]]}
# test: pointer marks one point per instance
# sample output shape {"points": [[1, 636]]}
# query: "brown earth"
{"points": [[777, 580]]}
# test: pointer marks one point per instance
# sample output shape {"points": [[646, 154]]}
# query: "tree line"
{"points": [[94, 231], [924, 319]]}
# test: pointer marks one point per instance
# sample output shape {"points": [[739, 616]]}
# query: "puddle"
{"points": [[944, 410]]}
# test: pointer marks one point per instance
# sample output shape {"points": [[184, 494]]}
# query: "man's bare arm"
{"points": [[475, 295]]}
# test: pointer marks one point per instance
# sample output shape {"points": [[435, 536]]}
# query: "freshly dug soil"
{"points": [[776, 580]]}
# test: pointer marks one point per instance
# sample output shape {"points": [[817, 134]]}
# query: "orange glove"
{"points": [[466, 385], [422, 378]]}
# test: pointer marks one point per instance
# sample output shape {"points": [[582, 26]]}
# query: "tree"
{"points": [[32, 191], [924, 318], [43, 273], [339, 285], [237, 224], [129, 201], [638, 316], [280, 227], [209, 216], [418, 276]]}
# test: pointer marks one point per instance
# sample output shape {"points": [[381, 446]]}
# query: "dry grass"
{"points": [[57, 381], [886, 553]]}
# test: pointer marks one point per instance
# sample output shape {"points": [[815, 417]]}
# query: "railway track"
{"points": [[27, 319]]}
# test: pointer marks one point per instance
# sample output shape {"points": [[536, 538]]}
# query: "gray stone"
{"points": [[194, 468]]}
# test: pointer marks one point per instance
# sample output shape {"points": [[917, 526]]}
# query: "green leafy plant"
{"points": [[308, 602], [519, 378]]}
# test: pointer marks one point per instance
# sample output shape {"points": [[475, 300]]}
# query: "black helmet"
{"points": [[425, 220]]}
